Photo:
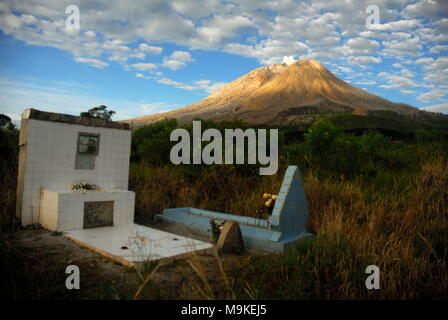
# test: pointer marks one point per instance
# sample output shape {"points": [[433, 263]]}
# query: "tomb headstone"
{"points": [[230, 240]]}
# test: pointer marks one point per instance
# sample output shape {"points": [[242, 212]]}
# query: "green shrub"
{"points": [[151, 143], [9, 150]]}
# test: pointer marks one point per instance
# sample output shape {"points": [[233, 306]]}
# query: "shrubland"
{"points": [[376, 197]]}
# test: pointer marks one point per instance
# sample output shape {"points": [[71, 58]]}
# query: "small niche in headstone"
{"points": [[98, 213]]}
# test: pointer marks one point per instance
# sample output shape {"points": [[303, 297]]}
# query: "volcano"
{"points": [[282, 94]]}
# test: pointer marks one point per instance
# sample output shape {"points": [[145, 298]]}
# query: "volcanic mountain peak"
{"points": [[281, 94], [313, 63]]}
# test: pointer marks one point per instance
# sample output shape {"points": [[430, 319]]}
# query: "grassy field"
{"points": [[376, 197]]}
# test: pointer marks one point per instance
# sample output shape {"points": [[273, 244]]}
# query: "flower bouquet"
{"points": [[270, 201], [83, 187], [217, 225]]}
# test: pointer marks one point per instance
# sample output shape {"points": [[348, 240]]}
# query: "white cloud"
{"points": [[90, 34], [407, 73], [424, 60], [437, 108], [207, 86], [362, 61], [157, 107], [93, 62], [382, 35], [442, 23], [60, 97], [438, 48], [437, 76], [173, 64], [288, 60], [176, 84], [360, 45], [121, 52], [150, 49], [345, 69], [366, 83], [438, 64], [397, 25], [200, 9], [268, 51], [433, 95], [426, 8], [216, 30], [144, 66], [209, 24], [330, 31], [375, 35], [182, 56], [431, 35], [177, 60], [436, 70], [410, 47], [397, 81]]}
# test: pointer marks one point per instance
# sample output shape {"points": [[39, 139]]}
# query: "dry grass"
{"points": [[404, 234], [8, 199], [403, 230], [166, 187]]}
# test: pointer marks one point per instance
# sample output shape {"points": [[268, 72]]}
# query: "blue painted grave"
{"points": [[285, 226]]}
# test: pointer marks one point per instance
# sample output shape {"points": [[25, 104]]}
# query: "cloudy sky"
{"points": [[142, 57]]}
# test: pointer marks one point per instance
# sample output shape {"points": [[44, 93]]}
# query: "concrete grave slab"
{"points": [[130, 244]]}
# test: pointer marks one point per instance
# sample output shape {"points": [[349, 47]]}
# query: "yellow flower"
{"points": [[268, 203], [273, 197], [266, 196]]}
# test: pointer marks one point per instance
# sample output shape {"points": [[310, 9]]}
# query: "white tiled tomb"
{"points": [[49, 163], [58, 151], [64, 210]]}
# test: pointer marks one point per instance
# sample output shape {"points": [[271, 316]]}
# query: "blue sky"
{"points": [[145, 57]]}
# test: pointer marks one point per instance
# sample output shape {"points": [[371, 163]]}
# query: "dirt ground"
{"points": [[41, 258]]}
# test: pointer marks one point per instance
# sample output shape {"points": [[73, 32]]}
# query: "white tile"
{"points": [[144, 243], [50, 164]]}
